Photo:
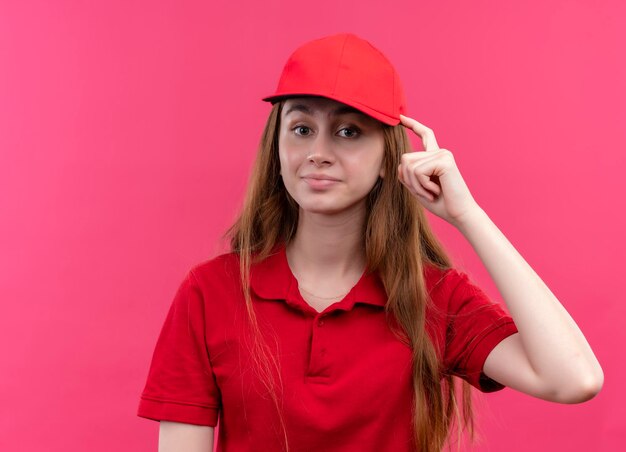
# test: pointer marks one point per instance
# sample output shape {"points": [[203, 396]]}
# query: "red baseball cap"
{"points": [[348, 69]]}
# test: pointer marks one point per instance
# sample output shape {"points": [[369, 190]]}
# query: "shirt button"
{"points": [[320, 323]]}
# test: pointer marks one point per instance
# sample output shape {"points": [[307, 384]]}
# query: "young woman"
{"points": [[337, 321]]}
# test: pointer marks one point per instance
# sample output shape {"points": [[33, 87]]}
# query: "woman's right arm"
{"points": [[176, 436]]}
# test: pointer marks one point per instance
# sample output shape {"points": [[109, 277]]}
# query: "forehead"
{"points": [[319, 106]]}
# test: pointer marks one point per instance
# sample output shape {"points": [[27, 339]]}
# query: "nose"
{"points": [[321, 151]]}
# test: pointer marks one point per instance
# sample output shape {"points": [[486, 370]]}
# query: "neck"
{"points": [[328, 246]]}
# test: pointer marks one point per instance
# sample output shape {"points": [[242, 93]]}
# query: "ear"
{"points": [[382, 172]]}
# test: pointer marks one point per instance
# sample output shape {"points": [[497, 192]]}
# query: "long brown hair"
{"points": [[398, 243]]}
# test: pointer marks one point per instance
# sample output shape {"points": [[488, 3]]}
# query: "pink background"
{"points": [[127, 131]]}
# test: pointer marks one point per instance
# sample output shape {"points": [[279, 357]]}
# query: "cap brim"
{"points": [[382, 117]]}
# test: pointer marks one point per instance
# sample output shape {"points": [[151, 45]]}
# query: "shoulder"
{"points": [[219, 270], [449, 286], [439, 279]]}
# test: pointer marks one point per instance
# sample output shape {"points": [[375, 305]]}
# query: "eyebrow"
{"points": [[338, 111]]}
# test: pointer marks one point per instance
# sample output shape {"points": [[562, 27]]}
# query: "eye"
{"points": [[302, 130], [350, 132]]}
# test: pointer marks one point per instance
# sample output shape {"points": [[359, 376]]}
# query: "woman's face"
{"points": [[330, 154]]}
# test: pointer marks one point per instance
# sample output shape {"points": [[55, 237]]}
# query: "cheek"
{"points": [[290, 156], [288, 164], [379, 157], [284, 159], [367, 165], [282, 155]]}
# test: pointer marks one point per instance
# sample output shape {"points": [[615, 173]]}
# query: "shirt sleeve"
{"points": [[181, 386], [476, 325]]}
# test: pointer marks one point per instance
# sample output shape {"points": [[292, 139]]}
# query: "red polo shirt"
{"points": [[346, 377]]}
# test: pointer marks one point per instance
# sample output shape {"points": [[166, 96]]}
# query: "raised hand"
{"points": [[433, 177]]}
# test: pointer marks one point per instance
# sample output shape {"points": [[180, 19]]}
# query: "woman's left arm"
{"points": [[549, 357]]}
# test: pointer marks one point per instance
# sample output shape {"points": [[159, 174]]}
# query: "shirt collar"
{"points": [[272, 279]]}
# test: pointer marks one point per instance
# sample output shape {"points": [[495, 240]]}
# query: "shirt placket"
{"points": [[320, 360], [319, 367]]}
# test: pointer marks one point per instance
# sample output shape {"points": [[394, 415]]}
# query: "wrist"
{"points": [[469, 218]]}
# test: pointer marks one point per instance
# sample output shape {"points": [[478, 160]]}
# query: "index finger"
{"points": [[427, 135]]}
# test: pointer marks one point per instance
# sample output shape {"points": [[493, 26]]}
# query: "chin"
{"points": [[325, 208], [323, 211]]}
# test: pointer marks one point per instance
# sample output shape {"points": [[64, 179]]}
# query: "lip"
{"points": [[320, 181], [320, 177]]}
